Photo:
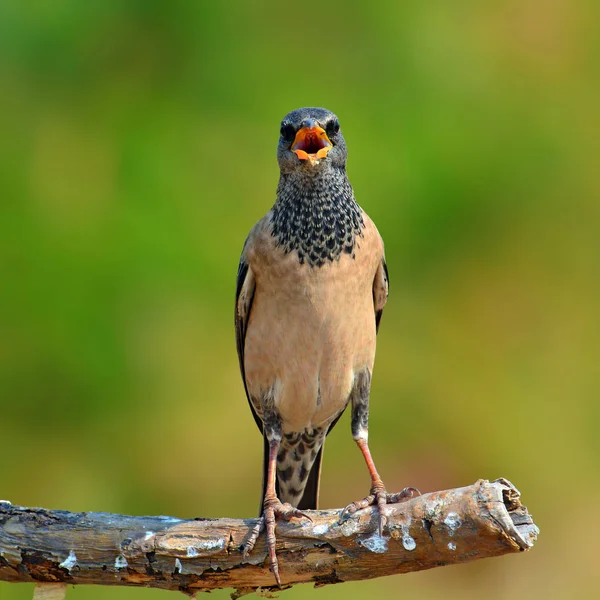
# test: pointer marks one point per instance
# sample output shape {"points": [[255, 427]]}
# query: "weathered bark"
{"points": [[439, 528]]}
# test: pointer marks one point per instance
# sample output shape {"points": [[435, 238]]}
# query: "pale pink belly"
{"points": [[306, 346]]}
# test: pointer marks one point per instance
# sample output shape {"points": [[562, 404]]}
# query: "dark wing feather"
{"points": [[241, 325], [382, 273]]}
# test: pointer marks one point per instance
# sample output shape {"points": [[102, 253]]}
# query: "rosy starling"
{"points": [[311, 287]]}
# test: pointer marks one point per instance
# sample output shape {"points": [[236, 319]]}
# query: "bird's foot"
{"points": [[273, 508], [379, 497]]}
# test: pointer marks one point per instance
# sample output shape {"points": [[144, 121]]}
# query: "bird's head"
{"points": [[310, 139]]}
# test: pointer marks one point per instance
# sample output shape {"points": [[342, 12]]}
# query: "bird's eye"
{"points": [[333, 127], [288, 133]]}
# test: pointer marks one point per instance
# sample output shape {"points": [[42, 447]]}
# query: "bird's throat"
{"points": [[316, 217]]}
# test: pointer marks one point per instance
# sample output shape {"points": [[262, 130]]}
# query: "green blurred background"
{"points": [[138, 148]]}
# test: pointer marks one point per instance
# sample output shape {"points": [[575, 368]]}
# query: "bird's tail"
{"points": [[310, 496], [305, 499]]}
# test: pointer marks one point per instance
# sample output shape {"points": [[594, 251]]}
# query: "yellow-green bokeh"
{"points": [[137, 149]]}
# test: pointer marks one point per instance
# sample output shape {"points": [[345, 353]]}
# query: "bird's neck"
{"points": [[316, 216]]}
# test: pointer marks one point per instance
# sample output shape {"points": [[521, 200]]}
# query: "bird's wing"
{"points": [[244, 295], [380, 291]]}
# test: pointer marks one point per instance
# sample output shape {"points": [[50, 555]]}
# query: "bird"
{"points": [[311, 287]]}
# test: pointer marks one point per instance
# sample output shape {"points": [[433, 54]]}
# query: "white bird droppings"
{"points": [[69, 562], [320, 529], [408, 542], [375, 543], [148, 535], [210, 544], [452, 522], [120, 562], [349, 527], [451, 546], [190, 552], [178, 566]]}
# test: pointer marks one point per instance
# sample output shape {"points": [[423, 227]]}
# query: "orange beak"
{"points": [[311, 143]]}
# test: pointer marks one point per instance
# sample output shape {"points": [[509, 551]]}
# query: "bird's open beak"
{"points": [[311, 143]]}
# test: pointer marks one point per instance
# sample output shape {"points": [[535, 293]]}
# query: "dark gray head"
{"points": [[311, 141]]}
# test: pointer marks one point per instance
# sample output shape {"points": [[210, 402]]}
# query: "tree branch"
{"points": [[440, 528]]}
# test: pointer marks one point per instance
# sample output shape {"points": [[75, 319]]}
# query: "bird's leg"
{"points": [[360, 426], [272, 508], [378, 494]]}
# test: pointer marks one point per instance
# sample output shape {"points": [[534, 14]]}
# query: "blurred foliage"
{"points": [[138, 148]]}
